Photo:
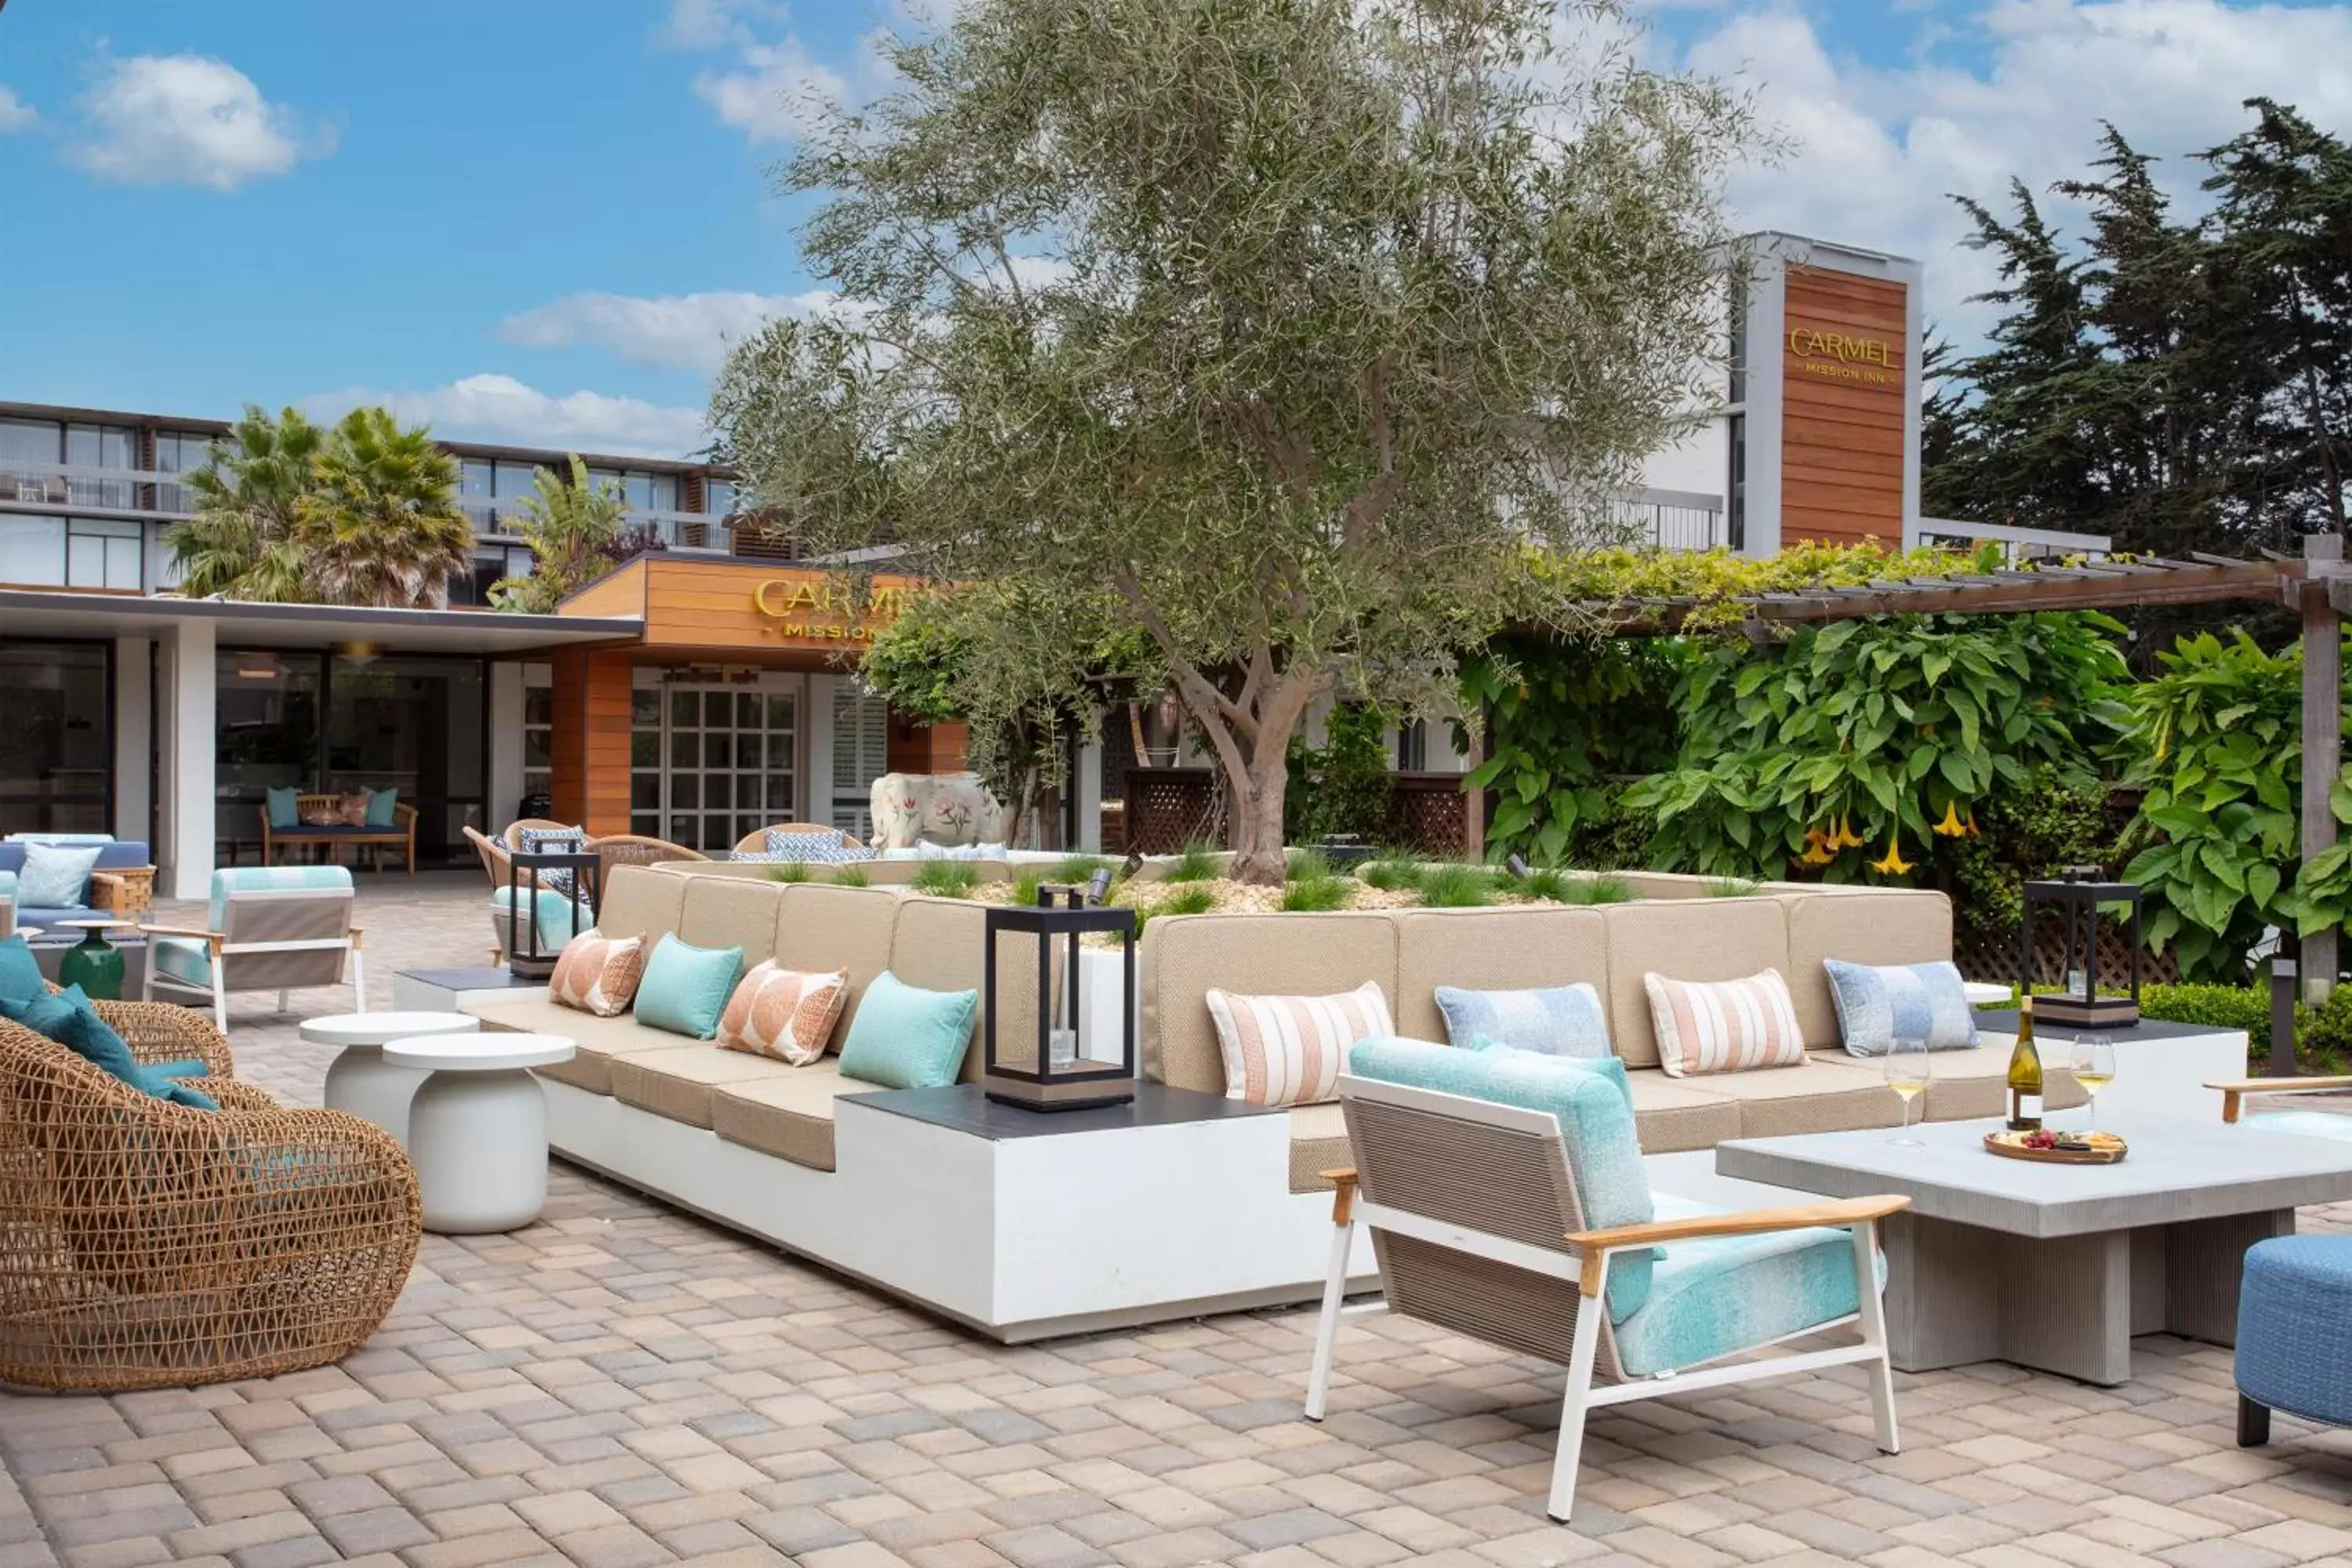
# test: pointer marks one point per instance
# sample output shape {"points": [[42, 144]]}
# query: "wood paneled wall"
{"points": [[1844, 372], [588, 776]]}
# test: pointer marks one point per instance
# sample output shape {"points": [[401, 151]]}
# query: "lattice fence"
{"points": [[1997, 960], [1428, 812], [1167, 808]]}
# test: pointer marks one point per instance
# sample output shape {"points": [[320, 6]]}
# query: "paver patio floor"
{"points": [[624, 1385]]}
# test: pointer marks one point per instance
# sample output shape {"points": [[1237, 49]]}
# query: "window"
{"points": [[101, 447], [33, 551], [474, 478], [55, 750], [1412, 746], [180, 452], [104, 554], [538, 731], [719, 497], [642, 491], [515, 479], [27, 447], [1737, 534]]}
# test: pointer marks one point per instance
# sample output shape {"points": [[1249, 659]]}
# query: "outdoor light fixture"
{"points": [[1057, 1070], [575, 875], [1099, 885], [1518, 867], [2079, 893], [257, 666], [1134, 863], [361, 653]]}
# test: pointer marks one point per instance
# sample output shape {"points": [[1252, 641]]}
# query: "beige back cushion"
{"points": [[721, 911], [1683, 939], [1283, 955], [821, 929], [1884, 927], [639, 898], [937, 945], [1491, 950]]}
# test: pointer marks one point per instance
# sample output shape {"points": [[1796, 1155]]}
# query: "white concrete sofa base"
{"points": [[1020, 1237]]}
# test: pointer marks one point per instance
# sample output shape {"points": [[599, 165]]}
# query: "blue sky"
{"points": [[539, 220]]}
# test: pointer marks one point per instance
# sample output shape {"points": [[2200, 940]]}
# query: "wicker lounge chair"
{"points": [[754, 842], [147, 1244], [1477, 1227], [616, 849]]}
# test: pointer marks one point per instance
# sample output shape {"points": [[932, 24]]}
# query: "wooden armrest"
{"points": [[2234, 1090], [1343, 1194], [197, 932], [356, 936], [1595, 1245]]}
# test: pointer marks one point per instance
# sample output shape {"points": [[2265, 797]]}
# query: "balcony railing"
{"points": [[1672, 520]]}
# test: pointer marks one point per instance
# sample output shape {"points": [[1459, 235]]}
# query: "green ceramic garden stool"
{"points": [[94, 963]]}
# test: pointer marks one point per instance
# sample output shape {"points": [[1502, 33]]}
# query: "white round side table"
{"points": [[360, 1081], [478, 1127]]}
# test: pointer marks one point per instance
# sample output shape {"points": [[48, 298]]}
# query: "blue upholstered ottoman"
{"points": [[2295, 1333]]}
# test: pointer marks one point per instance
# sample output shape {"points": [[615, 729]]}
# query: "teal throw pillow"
{"points": [[685, 988], [906, 1037], [1591, 1100], [56, 876], [380, 805], [283, 811], [67, 1017], [20, 974]]}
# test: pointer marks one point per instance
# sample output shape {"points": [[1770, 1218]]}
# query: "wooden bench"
{"points": [[401, 834]]}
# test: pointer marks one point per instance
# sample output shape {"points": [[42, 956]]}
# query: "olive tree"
{"points": [[1288, 323]]}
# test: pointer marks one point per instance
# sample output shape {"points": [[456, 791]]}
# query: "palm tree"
{"points": [[241, 542], [382, 526], [569, 528]]}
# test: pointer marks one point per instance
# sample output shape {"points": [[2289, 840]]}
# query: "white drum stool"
{"points": [[360, 1081], [478, 1127]]}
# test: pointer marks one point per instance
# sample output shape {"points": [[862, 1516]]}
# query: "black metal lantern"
{"points": [[2079, 894], [1057, 1070], [526, 958]]}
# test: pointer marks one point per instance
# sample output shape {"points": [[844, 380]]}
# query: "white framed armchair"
{"points": [[1478, 1226], [270, 927]]}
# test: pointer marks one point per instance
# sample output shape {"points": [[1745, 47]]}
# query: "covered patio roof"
{"points": [[64, 614]]}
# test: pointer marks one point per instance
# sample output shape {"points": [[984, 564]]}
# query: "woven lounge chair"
{"points": [[756, 842], [1477, 1227], [270, 928], [615, 849], [148, 1244]]}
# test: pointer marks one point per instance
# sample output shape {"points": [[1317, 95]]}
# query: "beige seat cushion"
{"points": [[1818, 1097], [788, 1116], [639, 900], [676, 1083], [1683, 938], [1282, 955], [597, 1040], [821, 929], [1671, 1115], [1877, 927], [1491, 950], [1970, 1084], [1318, 1142], [728, 912]]}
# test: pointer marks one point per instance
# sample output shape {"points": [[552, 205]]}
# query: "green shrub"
{"points": [[1307, 866], [788, 871], [1548, 883], [1193, 863], [2324, 1040], [1315, 895], [2246, 1007], [1389, 875], [946, 879], [1192, 900], [1732, 888], [1080, 868], [1025, 889], [851, 877], [1602, 890], [1457, 887]]}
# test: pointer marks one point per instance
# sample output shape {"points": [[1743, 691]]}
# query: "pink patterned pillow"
{"points": [[598, 973], [1725, 1026], [1289, 1050], [783, 1013]]}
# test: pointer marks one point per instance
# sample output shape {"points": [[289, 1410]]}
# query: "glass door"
{"points": [[729, 754]]}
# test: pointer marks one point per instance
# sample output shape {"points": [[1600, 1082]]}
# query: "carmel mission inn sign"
{"points": [[813, 610], [1837, 356]]}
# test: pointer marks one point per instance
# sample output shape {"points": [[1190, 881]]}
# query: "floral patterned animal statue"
{"points": [[949, 809]]}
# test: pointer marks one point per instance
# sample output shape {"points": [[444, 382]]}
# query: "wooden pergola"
{"points": [[2316, 586]]}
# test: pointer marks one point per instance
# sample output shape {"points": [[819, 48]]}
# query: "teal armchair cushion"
{"points": [[20, 975], [56, 876], [271, 879], [685, 988], [551, 915], [380, 805], [1719, 1294], [282, 808], [68, 1018], [906, 1037], [183, 958], [1592, 1103]]}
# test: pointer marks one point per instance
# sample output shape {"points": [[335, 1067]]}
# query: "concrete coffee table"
{"points": [[359, 1080], [478, 1127], [2057, 1267]]}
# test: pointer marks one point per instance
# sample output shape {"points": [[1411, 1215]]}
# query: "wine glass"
{"points": [[2095, 1068], [1907, 1071]]}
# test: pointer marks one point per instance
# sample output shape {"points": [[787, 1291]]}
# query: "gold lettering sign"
{"points": [[814, 611], [1866, 362]]}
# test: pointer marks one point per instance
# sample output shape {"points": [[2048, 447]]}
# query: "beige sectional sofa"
{"points": [[1410, 952]]}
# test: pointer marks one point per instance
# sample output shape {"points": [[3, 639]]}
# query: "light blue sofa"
{"points": [[119, 861]]}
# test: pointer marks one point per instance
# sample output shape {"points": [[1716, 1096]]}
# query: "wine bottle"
{"points": [[2025, 1074]]}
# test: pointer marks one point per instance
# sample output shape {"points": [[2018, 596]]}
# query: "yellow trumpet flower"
{"points": [[1817, 848], [1972, 824], [1893, 865], [1950, 827], [1846, 838]]}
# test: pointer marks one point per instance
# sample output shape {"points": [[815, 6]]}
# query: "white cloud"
{"points": [[675, 332], [714, 24], [501, 408], [777, 94], [188, 119], [16, 114], [1881, 147]]}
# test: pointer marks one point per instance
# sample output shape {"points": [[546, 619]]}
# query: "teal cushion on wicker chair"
{"points": [[67, 1017], [20, 974]]}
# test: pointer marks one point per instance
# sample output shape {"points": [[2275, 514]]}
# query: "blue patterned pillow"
{"points": [[556, 840], [828, 846], [1560, 1021], [1594, 1105], [1878, 1004]]}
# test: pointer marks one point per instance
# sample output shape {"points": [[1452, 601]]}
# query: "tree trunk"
{"points": [[1257, 817]]}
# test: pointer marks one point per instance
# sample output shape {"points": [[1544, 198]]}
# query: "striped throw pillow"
{"points": [[598, 973], [1724, 1025], [783, 1013], [1289, 1050]]}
